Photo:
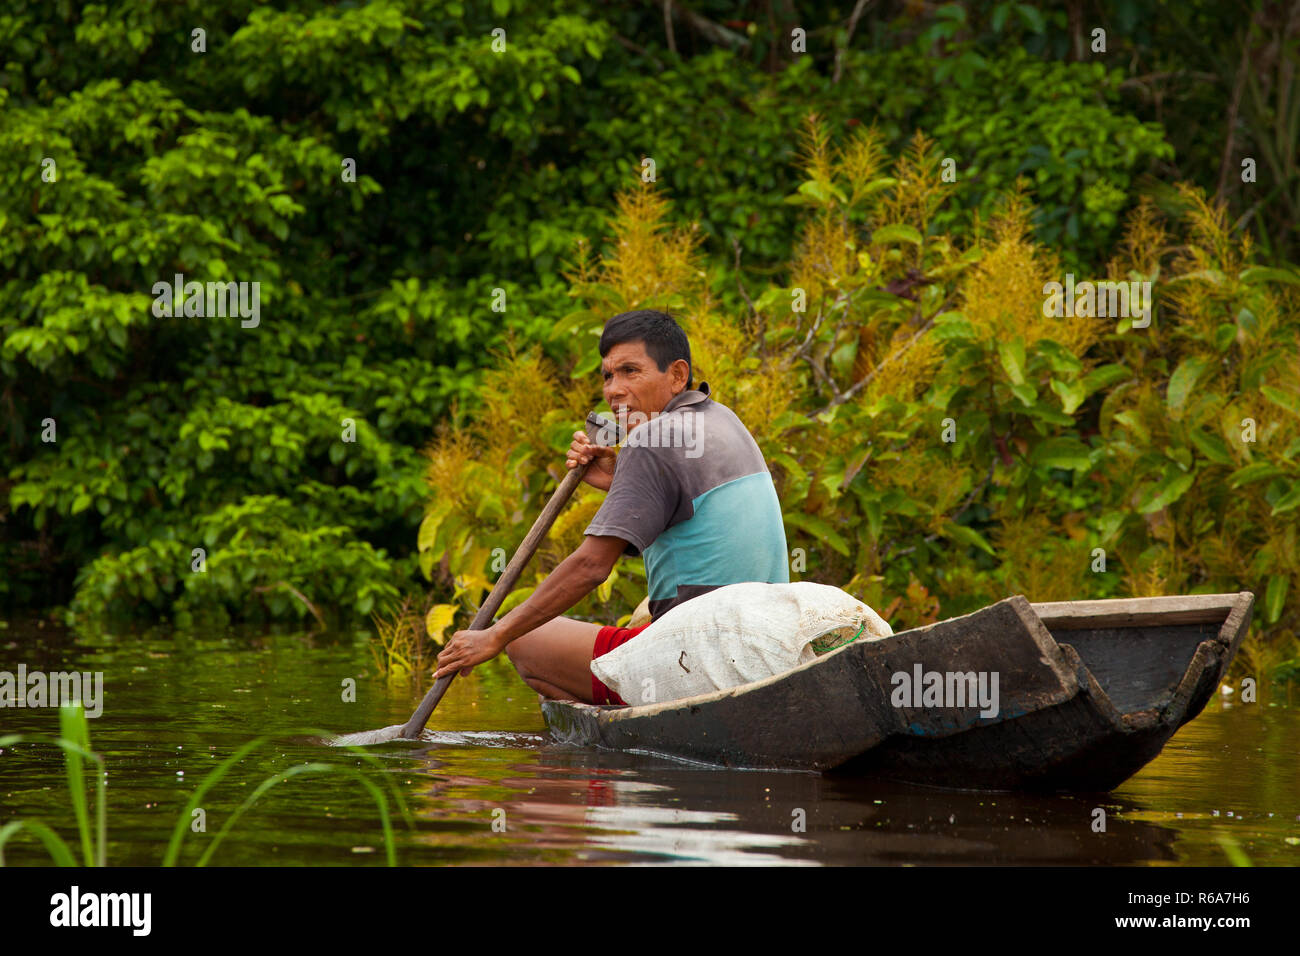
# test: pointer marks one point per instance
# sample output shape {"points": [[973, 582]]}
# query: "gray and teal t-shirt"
{"points": [[693, 496]]}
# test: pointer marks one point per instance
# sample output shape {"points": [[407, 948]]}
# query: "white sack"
{"points": [[731, 636]]}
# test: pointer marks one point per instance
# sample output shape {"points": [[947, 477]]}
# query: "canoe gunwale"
{"points": [[1139, 612]]}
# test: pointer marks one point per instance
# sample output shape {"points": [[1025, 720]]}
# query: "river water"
{"points": [[488, 787]]}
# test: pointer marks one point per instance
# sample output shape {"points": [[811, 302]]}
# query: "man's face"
{"points": [[633, 382]]}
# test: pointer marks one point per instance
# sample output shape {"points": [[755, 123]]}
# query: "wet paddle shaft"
{"points": [[602, 431]]}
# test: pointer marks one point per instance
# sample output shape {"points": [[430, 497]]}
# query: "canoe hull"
{"points": [[1054, 726]]}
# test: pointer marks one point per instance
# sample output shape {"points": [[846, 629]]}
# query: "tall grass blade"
{"points": [[59, 851], [72, 726], [208, 782], [381, 802], [1232, 850], [219, 772]]}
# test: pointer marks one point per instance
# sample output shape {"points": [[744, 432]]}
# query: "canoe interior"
{"points": [[1138, 667]]}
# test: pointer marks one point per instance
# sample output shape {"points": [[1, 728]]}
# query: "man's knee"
{"points": [[524, 649], [517, 651]]}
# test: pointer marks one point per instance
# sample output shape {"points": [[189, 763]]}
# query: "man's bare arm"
{"points": [[576, 576], [573, 579]]}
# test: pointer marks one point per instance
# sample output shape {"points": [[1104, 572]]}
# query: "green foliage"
{"points": [[938, 439], [1000, 117], [482, 169], [259, 560]]}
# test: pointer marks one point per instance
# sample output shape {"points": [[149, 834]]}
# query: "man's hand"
{"points": [[602, 458], [467, 648]]}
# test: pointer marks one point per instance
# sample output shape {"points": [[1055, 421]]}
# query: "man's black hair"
{"points": [[664, 339]]}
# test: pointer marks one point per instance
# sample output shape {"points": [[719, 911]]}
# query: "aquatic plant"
{"points": [[74, 740], [1232, 849], [406, 637], [75, 743]]}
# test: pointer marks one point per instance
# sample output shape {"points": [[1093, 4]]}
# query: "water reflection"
{"points": [[486, 786], [604, 805]]}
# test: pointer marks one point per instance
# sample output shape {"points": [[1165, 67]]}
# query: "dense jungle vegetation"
{"points": [[853, 209]]}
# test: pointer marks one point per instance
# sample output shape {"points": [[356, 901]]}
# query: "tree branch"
{"points": [[740, 286], [713, 32], [296, 593], [858, 386], [642, 51], [858, 10]]}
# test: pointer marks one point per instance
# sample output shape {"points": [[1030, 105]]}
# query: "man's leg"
{"points": [[555, 659]]}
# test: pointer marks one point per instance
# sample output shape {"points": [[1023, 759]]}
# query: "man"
{"points": [[689, 491]]}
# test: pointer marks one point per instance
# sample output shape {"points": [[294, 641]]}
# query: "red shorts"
{"points": [[608, 638]]}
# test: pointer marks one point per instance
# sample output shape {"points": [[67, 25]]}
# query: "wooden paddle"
{"points": [[602, 431]]}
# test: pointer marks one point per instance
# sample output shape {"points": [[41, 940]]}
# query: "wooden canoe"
{"points": [[1088, 693]]}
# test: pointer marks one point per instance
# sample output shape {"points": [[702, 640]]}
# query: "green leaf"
{"points": [[1212, 447], [820, 192], [1286, 401], [896, 232], [791, 466], [1103, 376], [1275, 597], [1058, 356], [1062, 453], [964, 535], [1169, 490], [1026, 393], [429, 526], [1012, 354], [1049, 414], [1224, 336], [819, 528], [1259, 274], [957, 329], [1072, 395], [1109, 526], [875, 516], [1032, 18], [879, 185], [574, 320], [73, 730], [1255, 471], [1183, 381], [1288, 500]]}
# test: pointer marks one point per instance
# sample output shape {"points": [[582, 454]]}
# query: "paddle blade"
{"points": [[366, 738]]}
